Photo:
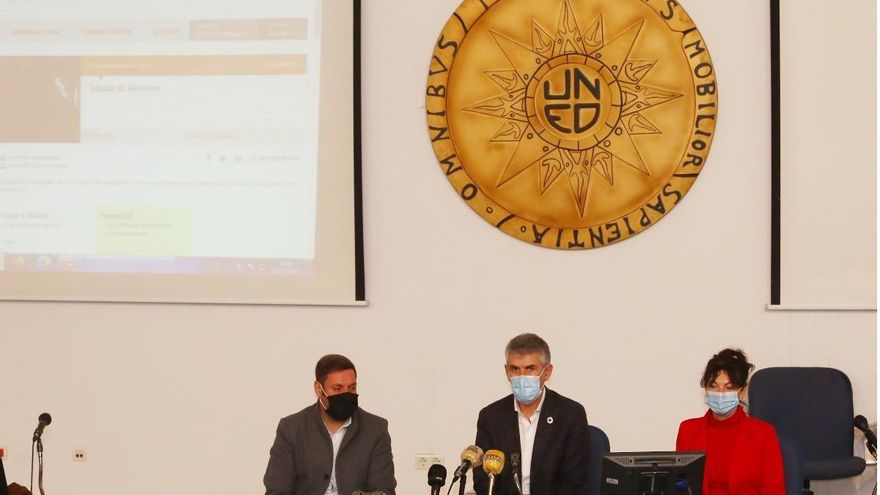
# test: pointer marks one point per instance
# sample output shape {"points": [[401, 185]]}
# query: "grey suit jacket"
{"points": [[301, 459]]}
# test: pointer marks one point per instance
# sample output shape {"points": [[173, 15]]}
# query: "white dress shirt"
{"points": [[528, 426], [336, 440]]}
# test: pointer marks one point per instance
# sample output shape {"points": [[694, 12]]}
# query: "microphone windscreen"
{"points": [[472, 454], [493, 462], [860, 422], [45, 418], [437, 475]]}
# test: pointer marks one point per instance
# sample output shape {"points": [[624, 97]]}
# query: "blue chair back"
{"points": [[792, 464], [814, 407], [599, 446]]}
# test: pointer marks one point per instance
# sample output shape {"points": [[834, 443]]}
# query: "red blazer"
{"points": [[755, 459]]}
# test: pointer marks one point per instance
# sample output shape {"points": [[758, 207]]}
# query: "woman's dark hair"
{"points": [[734, 362]]}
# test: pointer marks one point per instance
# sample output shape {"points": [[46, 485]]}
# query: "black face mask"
{"points": [[341, 406]]}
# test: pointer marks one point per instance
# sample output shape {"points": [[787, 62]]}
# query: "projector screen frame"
{"points": [[360, 283], [776, 205], [200, 292]]}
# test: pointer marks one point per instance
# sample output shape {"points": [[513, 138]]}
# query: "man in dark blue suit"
{"points": [[548, 432]]}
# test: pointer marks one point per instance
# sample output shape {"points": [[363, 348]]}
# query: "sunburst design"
{"points": [[556, 79]]}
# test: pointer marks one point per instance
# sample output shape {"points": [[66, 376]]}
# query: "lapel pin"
{"points": [[549, 420]]}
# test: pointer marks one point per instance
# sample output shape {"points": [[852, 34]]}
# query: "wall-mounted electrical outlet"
{"points": [[424, 461], [80, 455]]}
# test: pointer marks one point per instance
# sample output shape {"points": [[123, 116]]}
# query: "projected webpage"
{"points": [[183, 144]]}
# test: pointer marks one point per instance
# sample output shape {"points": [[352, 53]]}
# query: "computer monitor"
{"points": [[653, 473]]}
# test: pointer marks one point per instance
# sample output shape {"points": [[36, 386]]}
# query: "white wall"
{"points": [[185, 399]]}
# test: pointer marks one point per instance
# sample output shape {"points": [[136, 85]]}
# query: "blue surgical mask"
{"points": [[722, 403], [526, 388]]}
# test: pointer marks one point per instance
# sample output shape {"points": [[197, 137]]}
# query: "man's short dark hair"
{"points": [[527, 343], [331, 363], [732, 361]]}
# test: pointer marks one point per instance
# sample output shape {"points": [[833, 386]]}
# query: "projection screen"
{"points": [[824, 252], [180, 151]]}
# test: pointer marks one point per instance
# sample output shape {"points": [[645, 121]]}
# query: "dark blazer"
{"points": [[301, 459], [560, 456]]}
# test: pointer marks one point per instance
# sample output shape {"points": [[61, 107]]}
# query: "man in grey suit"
{"points": [[331, 447]]}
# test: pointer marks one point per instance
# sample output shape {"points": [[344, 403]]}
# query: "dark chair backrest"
{"points": [[599, 446], [813, 406], [792, 464]]}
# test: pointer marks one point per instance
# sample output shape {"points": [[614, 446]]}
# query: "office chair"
{"points": [[792, 465], [599, 446], [814, 407]]}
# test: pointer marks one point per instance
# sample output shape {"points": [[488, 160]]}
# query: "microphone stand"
{"points": [[514, 471], [461, 483], [31, 487], [40, 462]]}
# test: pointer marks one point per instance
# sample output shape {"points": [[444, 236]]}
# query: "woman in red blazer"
{"points": [[742, 453]]}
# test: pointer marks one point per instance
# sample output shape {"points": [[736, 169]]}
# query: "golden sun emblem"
{"points": [[528, 100]]}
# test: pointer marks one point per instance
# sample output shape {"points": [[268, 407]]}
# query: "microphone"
{"points": [[493, 463], [514, 466], [471, 457], [436, 478], [45, 420], [862, 425]]}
